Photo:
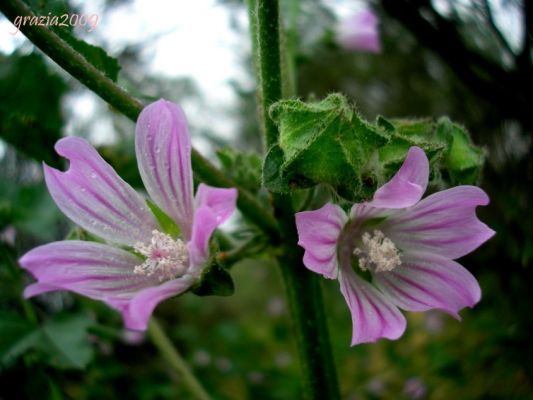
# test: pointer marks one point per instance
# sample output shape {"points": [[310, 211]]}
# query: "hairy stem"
{"points": [[302, 286], [172, 356], [81, 69]]}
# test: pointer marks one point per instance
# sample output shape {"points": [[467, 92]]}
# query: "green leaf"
{"points": [[167, 224], [215, 281], [243, 168], [63, 340], [93, 54], [328, 142], [67, 342], [321, 142], [29, 208], [463, 161], [18, 336], [30, 106]]}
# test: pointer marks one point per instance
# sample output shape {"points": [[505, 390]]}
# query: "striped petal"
{"points": [[92, 269], [425, 281], [100, 272], [163, 150], [94, 197], [408, 185], [213, 207], [373, 315], [137, 311], [318, 233], [444, 223], [221, 201]]}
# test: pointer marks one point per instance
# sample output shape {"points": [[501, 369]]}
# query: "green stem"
{"points": [[269, 63], [75, 64], [172, 356], [302, 286]]}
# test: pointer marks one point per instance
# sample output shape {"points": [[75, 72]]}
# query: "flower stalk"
{"points": [[175, 360], [303, 289]]}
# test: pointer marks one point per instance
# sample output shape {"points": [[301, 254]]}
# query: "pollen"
{"points": [[378, 253], [166, 258]]}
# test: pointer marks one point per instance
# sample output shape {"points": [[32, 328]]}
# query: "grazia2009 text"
{"points": [[90, 21]]}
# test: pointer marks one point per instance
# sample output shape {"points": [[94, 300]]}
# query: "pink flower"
{"points": [[139, 265], [360, 32], [405, 244]]}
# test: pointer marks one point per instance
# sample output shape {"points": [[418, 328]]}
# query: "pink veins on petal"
{"points": [[154, 266], [406, 243]]}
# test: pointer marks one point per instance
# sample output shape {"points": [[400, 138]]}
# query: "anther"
{"points": [[167, 258], [378, 253]]}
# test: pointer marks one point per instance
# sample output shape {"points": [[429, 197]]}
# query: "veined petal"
{"points": [[137, 311], [93, 196], [425, 281], [318, 233], [92, 269], [444, 223], [222, 202], [163, 149], [205, 223], [408, 185], [373, 315], [213, 207]]}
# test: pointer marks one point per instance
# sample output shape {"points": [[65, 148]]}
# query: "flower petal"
{"points": [[408, 185], [93, 196], [137, 311], [163, 149], [318, 232], [91, 269], [221, 201], [373, 315], [360, 32], [444, 223], [213, 207], [205, 223], [425, 281]]}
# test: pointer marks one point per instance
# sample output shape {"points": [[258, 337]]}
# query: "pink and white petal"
{"points": [[444, 223], [360, 32], [205, 223], [426, 281], [91, 269], [222, 202], [137, 311], [318, 234], [373, 315], [163, 149], [94, 197], [408, 185]]}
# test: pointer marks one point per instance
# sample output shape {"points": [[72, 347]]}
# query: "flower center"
{"points": [[378, 253], [165, 257]]}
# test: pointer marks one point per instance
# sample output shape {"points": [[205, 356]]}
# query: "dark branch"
{"points": [[508, 91]]}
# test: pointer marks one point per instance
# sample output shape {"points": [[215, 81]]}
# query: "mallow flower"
{"points": [[360, 32], [137, 265], [397, 251]]}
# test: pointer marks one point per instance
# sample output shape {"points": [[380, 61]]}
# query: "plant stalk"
{"points": [[172, 356], [302, 286]]}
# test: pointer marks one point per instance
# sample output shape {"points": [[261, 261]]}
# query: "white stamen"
{"points": [[165, 257], [379, 253]]}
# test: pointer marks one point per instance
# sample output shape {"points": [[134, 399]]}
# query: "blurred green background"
{"points": [[468, 60]]}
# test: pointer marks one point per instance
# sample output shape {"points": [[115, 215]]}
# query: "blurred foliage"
{"points": [[24, 122], [60, 345]]}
